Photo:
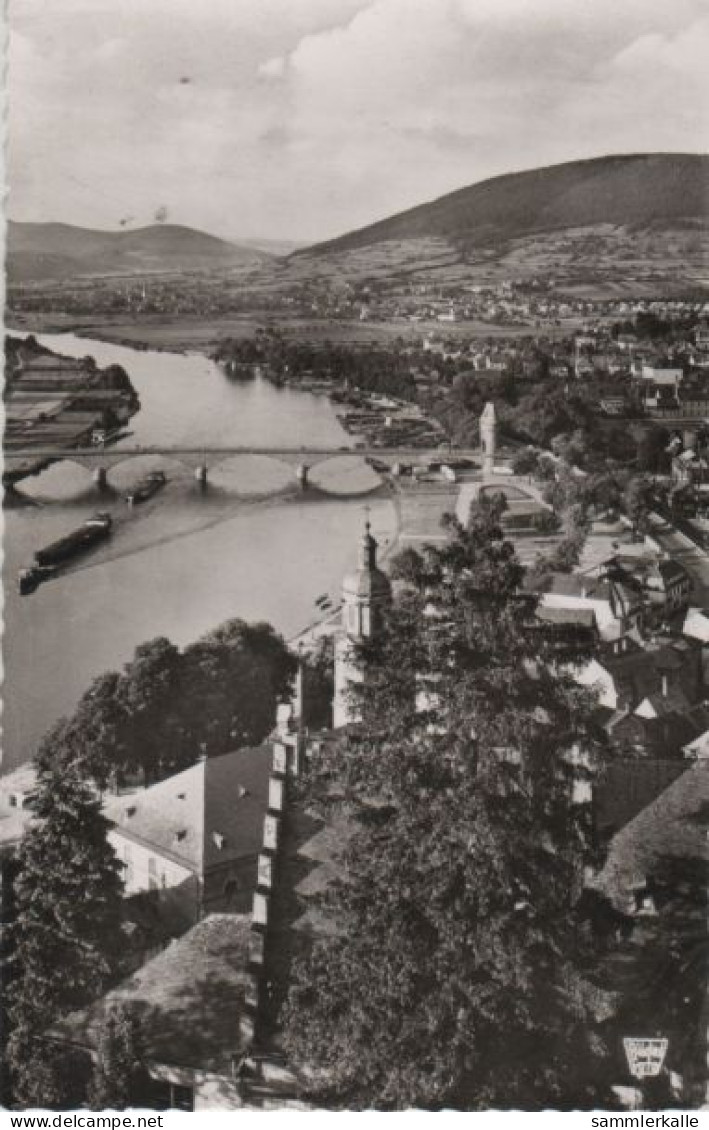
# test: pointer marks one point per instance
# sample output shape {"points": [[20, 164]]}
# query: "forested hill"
{"points": [[38, 251], [638, 191]]}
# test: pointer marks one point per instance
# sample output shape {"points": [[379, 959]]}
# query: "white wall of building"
{"points": [[145, 869]]}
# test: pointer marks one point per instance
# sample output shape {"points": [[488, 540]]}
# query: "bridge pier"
{"points": [[301, 475], [100, 477], [201, 475]]}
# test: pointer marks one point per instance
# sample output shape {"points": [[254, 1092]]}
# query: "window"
{"points": [[170, 1096], [128, 866], [181, 1098], [230, 888]]}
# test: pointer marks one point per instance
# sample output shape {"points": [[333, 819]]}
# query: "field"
{"points": [[183, 333]]}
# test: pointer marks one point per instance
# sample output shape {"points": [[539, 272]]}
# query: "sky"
{"points": [[303, 119]]}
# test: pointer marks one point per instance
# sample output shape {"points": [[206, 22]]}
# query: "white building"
{"points": [[366, 593], [195, 837]]}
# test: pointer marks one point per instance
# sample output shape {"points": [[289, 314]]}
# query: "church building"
{"points": [[366, 593]]}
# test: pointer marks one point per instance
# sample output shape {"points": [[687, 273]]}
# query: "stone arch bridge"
{"points": [[20, 463]]}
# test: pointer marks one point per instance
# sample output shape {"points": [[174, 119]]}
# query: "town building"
{"points": [[617, 609], [366, 593], [664, 582], [188, 1001], [194, 838], [654, 876]]}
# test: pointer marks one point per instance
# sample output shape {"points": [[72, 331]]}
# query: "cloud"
{"points": [[273, 68], [304, 118]]}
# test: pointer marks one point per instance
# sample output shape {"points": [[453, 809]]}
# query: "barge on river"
{"points": [[46, 561], [146, 488]]}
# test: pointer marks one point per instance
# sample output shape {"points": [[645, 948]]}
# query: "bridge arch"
{"points": [[249, 474]]}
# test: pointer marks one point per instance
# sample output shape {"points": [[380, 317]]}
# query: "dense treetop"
{"points": [[455, 977]]}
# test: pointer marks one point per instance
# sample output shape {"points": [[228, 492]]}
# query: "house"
{"points": [[195, 837], [626, 342], [583, 367], [688, 468], [660, 678], [188, 1002], [662, 377], [617, 609], [696, 624], [665, 582], [17, 791], [701, 337], [655, 876], [626, 786], [613, 405], [660, 734], [698, 748]]}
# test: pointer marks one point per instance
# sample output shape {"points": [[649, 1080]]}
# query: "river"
{"points": [[253, 545]]}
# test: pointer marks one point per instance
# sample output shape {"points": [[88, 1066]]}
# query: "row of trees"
{"points": [[167, 706], [371, 368], [455, 976]]}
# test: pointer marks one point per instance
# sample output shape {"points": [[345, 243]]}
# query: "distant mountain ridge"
{"points": [[634, 191], [55, 250]]}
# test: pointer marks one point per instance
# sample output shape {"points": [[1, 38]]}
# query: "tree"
{"points": [[151, 698], [546, 522], [319, 683], [637, 502], [565, 555], [604, 492], [451, 975], [153, 718], [651, 445], [232, 680], [66, 931], [95, 737], [118, 1075], [407, 566], [525, 461]]}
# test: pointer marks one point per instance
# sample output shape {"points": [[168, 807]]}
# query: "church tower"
{"points": [[366, 593]]}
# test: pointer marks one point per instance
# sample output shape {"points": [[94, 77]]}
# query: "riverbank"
{"points": [[252, 546], [55, 401]]}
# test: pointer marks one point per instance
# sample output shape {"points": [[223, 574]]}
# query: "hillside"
{"points": [[636, 192], [46, 251]]}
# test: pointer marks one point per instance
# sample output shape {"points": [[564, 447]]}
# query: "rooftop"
{"points": [[627, 787], [672, 826], [207, 815], [584, 617], [188, 999]]}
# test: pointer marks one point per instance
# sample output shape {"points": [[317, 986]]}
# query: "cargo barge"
{"points": [[46, 561], [146, 488]]}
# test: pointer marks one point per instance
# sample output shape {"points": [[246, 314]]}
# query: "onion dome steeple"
{"points": [[365, 592]]}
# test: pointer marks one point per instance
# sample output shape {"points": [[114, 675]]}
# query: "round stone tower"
{"points": [[488, 439]]}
